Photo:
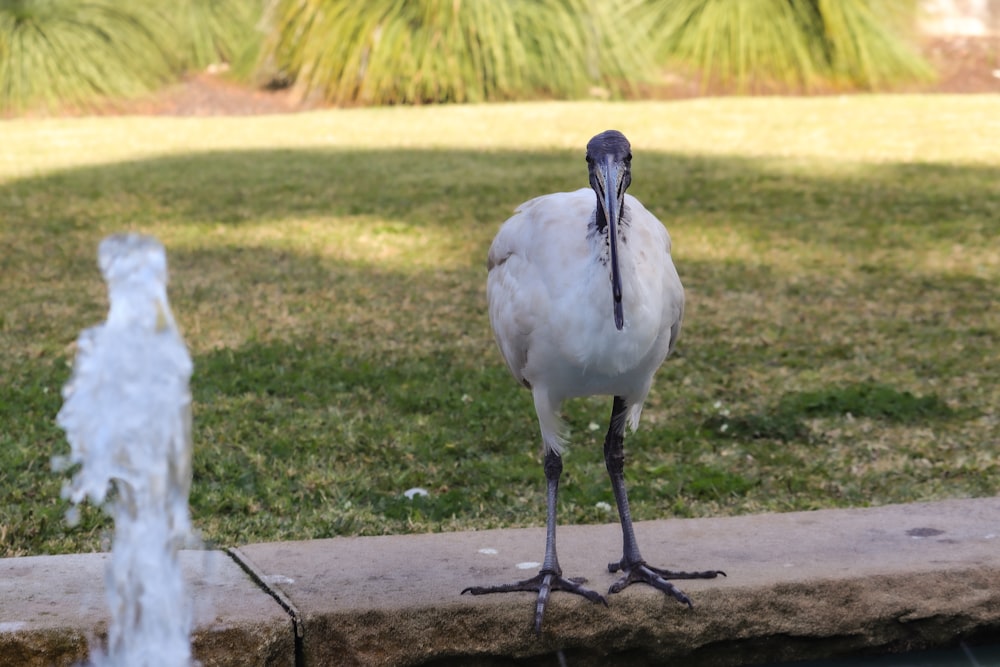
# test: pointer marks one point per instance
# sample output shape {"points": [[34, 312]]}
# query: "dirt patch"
{"points": [[208, 94], [965, 64]]}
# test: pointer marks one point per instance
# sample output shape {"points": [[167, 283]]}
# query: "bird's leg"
{"points": [[549, 578], [632, 565]]}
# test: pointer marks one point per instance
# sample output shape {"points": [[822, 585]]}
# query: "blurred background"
{"points": [[237, 56]]}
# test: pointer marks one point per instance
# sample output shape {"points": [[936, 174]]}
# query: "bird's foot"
{"points": [[543, 583], [640, 572]]}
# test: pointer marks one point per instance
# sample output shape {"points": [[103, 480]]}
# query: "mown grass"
{"points": [[841, 258]]}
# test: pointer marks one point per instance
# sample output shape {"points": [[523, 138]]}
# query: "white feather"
{"points": [[550, 304]]}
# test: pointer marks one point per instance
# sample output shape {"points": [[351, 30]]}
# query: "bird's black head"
{"points": [[609, 149], [609, 161]]}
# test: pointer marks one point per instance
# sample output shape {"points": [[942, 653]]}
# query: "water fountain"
{"points": [[127, 416]]}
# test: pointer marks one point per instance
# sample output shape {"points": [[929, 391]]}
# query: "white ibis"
{"points": [[585, 300]]}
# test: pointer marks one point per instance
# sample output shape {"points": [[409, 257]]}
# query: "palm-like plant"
{"points": [[74, 52], [804, 44], [70, 52], [206, 32], [59, 52], [862, 46], [414, 51]]}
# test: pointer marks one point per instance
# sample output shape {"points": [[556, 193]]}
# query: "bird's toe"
{"points": [[543, 584], [658, 578]]}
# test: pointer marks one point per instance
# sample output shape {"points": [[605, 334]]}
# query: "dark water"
{"points": [[964, 656]]}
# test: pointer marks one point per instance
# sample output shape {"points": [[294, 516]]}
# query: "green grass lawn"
{"points": [[841, 345]]}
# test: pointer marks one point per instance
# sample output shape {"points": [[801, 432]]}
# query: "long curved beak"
{"points": [[612, 175]]}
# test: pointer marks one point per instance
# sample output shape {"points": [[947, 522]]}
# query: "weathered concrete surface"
{"points": [[800, 585], [51, 607]]}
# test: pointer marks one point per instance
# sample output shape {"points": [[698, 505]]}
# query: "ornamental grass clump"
{"points": [[64, 53], [395, 52], [788, 44]]}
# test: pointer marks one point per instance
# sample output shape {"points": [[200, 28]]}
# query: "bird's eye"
{"points": [[628, 158]]}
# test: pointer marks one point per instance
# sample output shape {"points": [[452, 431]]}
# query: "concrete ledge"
{"points": [[801, 585], [53, 607]]}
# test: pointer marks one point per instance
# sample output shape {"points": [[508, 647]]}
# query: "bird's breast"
{"points": [[551, 299], [585, 328], [582, 322]]}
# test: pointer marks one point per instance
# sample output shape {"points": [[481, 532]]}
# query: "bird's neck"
{"points": [[600, 220], [599, 223], [597, 235]]}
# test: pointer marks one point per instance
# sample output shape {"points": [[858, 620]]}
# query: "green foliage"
{"points": [[862, 49], [58, 53], [390, 51], [415, 51], [799, 44], [206, 32], [63, 52]]}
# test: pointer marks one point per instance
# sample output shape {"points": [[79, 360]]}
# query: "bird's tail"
{"points": [[629, 417], [552, 427], [634, 412]]}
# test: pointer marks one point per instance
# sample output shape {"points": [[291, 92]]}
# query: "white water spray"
{"points": [[127, 416]]}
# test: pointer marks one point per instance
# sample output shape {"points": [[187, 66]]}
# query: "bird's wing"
{"points": [[650, 233], [512, 291], [674, 295], [522, 263]]}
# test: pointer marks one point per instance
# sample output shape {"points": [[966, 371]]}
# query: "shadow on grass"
{"points": [[868, 399], [453, 187], [53, 222]]}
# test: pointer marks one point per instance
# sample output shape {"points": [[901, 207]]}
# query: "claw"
{"points": [[640, 572], [543, 583]]}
